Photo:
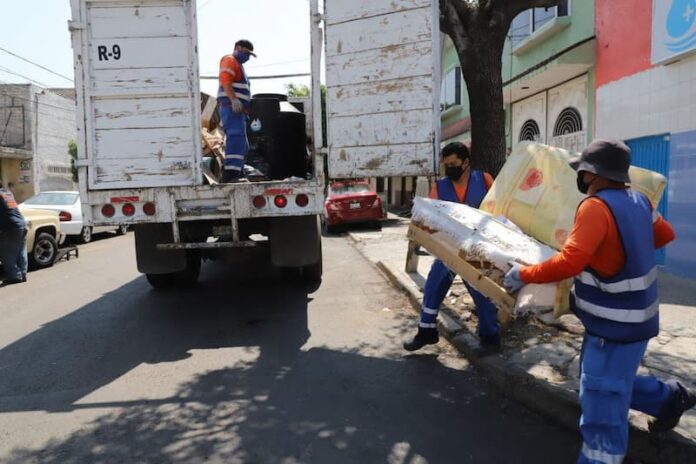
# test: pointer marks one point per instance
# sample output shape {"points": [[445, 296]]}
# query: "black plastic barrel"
{"points": [[277, 137]]}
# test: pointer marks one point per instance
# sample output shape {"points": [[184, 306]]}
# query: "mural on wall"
{"points": [[674, 29]]}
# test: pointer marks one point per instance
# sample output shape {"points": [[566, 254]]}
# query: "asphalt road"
{"points": [[95, 367]]}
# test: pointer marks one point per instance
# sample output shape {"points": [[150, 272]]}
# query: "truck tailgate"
{"points": [[137, 83]]}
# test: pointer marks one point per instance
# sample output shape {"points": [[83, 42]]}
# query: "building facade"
{"points": [[646, 95], [548, 73], [35, 128]]}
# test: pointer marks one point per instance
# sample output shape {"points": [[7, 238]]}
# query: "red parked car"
{"points": [[350, 202]]}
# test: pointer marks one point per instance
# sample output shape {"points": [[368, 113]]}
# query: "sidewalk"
{"points": [[539, 364]]}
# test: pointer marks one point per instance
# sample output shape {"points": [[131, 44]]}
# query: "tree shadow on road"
{"points": [[286, 405]]}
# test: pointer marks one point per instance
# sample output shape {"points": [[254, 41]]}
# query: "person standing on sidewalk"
{"points": [[460, 185], [234, 95], [13, 239], [611, 254]]}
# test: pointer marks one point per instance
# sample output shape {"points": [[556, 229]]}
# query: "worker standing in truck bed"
{"points": [[234, 95]]}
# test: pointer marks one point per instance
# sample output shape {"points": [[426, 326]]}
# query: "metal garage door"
{"points": [[653, 153]]}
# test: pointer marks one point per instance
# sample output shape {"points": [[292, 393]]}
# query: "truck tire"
{"points": [[187, 277], [122, 230], [44, 252]]}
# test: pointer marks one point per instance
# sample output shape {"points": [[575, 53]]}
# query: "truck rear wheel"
{"points": [[184, 278]]}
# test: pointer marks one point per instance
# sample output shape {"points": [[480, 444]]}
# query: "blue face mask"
{"points": [[242, 57]]}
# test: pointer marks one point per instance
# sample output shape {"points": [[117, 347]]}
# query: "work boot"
{"points": [[488, 345], [230, 176], [682, 400], [422, 338], [12, 281]]}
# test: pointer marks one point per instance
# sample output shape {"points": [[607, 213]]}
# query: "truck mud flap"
{"points": [[150, 259], [295, 241]]}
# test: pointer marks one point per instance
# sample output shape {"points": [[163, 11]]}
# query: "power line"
{"points": [[34, 101], [204, 5], [37, 64], [9, 71]]}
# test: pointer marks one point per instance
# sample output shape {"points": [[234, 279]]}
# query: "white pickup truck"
{"points": [[139, 140]]}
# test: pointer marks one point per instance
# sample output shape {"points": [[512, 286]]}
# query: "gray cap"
{"points": [[606, 158]]}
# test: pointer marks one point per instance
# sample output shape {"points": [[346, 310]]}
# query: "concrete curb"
{"points": [[557, 403]]}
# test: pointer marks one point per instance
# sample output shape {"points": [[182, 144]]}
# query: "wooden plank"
{"points": [[448, 253], [157, 52], [339, 11], [144, 143], [387, 63], [169, 171], [412, 257], [139, 21], [171, 81], [141, 113], [380, 31], [381, 160], [382, 129], [380, 97]]}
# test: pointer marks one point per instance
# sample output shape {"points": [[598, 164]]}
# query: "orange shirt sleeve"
{"points": [[229, 70], [592, 224], [662, 231]]}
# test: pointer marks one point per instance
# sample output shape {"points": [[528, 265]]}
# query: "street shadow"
{"points": [[319, 406], [52, 368]]}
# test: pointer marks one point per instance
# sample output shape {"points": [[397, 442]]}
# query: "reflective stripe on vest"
{"points": [[241, 86], [631, 295], [475, 190], [632, 316], [627, 285]]}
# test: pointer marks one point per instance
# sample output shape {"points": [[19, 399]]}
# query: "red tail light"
{"points": [[128, 209], [64, 216], [108, 211], [280, 201], [302, 200], [377, 203], [259, 201], [149, 209]]}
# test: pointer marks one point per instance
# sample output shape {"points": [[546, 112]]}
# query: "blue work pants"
{"points": [[609, 386], [13, 253], [237, 144], [437, 285]]}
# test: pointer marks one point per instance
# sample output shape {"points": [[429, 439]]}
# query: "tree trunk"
{"points": [[484, 84]]}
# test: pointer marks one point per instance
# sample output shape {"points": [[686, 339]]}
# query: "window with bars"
{"points": [[530, 131], [529, 21], [568, 122]]}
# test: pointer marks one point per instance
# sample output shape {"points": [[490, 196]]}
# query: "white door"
{"points": [[138, 98], [383, 87]]}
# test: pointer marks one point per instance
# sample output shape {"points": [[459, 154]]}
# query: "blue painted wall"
{"points": [[681, 254], [654, 153]]}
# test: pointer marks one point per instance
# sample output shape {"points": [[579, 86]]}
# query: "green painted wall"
{"points": [[450, 60], [581, 28]]}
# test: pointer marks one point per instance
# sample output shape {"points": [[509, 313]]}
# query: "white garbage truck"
{"points": [[140, 160]]}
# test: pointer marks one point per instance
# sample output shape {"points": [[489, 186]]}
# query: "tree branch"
{"points": [[515, 7], [454, 15]]}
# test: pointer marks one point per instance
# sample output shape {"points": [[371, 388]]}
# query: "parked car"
{"points": [[69, 209], [43, 236], [350, 202]]}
